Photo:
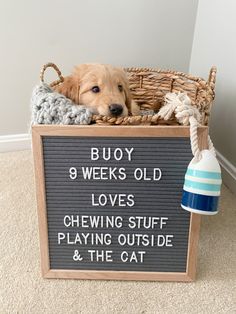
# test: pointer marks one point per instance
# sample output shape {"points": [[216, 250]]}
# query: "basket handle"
{"points": [[51, 65], [212, 77]]}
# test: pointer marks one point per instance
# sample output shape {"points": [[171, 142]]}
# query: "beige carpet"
{"points": [[22, 290]]}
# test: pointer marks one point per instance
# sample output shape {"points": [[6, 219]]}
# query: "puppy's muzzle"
{"points": [[116, 109]]}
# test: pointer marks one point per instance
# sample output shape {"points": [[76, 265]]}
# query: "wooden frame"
{"points": [[121, 131]]}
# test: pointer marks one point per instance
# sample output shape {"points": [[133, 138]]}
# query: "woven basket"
{"points": [[148, 88]]}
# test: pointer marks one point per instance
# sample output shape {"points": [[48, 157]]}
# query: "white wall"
{"points": [[215, 44], [125, 32]]}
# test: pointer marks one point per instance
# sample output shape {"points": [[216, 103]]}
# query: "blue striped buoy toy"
{"points": [[202, 185]]}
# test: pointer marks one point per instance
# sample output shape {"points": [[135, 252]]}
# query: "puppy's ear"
{"points": [[128, 97], [71, 85], [69, 88]]}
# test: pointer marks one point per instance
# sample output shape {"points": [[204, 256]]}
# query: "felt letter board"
{"points": [[109, 202]]}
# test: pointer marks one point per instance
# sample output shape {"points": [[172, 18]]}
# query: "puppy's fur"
{"points": [[112, 84]]}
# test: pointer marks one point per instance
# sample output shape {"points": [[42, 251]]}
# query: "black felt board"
{"points": [[162, 198]]}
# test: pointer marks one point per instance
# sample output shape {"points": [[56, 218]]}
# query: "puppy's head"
{"points": [[102, 88]]}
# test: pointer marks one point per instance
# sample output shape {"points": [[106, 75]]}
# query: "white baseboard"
{"points": [[14, 142], [228, 172]]}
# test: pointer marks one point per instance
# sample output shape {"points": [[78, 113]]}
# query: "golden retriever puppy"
{"points": [[102, 88]]}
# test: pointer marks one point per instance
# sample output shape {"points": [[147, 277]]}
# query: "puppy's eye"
{"points": [[95, 89], [120, 87]]}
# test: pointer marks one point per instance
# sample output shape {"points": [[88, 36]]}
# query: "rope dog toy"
{"points": [[202, 184]]}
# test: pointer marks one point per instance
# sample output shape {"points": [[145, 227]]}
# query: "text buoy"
{"points": [[202, 185]]}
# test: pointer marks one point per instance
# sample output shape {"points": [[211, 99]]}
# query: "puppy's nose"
{"points": [[115, 109]]}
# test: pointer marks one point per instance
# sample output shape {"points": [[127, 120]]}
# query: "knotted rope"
{"points": [[186, 114]]}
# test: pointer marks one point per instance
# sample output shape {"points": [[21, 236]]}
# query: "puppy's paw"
{"points": [[135, 109]]}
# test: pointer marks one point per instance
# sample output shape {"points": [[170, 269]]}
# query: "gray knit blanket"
{"points": [[50, 107]]}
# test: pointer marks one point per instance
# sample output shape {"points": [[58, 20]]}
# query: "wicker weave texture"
{"points": [[149, 87]]}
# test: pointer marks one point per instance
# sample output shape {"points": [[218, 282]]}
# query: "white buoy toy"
{"points": [[202, 183]]}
